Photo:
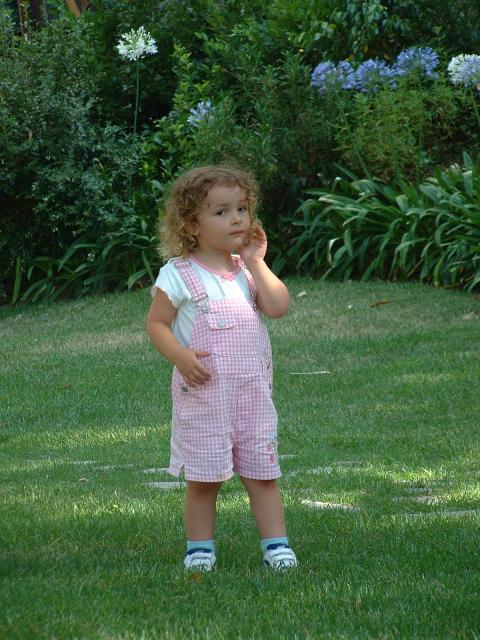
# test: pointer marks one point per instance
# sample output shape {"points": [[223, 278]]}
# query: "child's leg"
{"points": [[200, 503], [267, 507]]}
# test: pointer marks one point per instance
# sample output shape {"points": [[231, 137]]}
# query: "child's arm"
{"points": [[272, 295], [159, 322]]}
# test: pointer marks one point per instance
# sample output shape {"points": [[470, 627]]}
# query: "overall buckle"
{"points": [[202, 302]]}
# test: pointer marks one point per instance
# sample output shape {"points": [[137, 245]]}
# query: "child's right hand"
{"points": [[190, 367]]}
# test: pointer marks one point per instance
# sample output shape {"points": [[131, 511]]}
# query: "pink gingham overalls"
{"points": [[228, 424]]}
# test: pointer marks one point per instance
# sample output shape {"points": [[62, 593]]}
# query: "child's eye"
{"points": [[243, 209], [220, 212]]}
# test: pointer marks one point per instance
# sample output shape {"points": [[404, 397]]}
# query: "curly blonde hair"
{"points": [[185, 198]]}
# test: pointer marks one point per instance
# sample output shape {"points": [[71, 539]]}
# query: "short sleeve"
{"points": [[171, 283]]}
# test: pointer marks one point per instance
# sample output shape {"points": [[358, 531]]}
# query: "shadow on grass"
{"points": [[111, 574]]}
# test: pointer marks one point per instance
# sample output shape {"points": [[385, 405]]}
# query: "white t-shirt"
{"points": [[217, 286]]}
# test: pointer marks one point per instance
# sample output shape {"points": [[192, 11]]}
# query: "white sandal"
{"points": [[279, 557], [199, 560]]}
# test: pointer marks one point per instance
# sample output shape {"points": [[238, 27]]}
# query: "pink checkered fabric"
{"points": [[229, 424]]}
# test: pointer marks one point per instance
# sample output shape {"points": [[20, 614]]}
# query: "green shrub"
{"points": [[65, 173], [367, 229], [405, 131], [115, 79], [121, 260], [382, 28], [253, 64], [71, 173], [269, 124]]}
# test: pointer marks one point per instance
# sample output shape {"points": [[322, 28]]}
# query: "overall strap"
{"points": [[193, 283]]}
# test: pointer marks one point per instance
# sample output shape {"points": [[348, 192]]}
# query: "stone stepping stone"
{"points": [[309, 373], [315, 504], [111, 467], [318, 470], [156, 470], [327, 470], [418, 489], [82, 462], [166, 485], [422, 499], [444, 514], [432, 485], [349, 463]]}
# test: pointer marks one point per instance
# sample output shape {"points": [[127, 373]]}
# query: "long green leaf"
{"points": [[18, 280]]}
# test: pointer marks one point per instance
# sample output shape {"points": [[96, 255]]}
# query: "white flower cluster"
{"points": [[200, 113], [136, 44], [465, 69]]}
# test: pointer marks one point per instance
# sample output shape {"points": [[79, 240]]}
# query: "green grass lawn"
{"points": [[388, 438]]}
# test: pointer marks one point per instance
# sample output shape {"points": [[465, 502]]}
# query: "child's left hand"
{"points": [[256, 248]]}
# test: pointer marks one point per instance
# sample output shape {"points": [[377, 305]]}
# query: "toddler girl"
{"points": [[205, 318]]}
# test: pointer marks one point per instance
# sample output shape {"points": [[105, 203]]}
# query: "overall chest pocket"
{"points": [[221, 321], [223, 331]]}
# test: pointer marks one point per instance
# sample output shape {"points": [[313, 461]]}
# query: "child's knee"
{"points": [[203, 488], [259, 485]]}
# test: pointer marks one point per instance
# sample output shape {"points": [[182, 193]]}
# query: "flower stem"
{"points": [[136, 100], [475, 108], [421, 122]]}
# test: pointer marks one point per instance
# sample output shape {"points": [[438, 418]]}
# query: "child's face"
{"points": [[223, 221]]}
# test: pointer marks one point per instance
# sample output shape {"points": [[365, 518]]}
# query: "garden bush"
{"points": [[66, 173], [382, 28], [292, 126], [405, 132], [116, 261], [368, 228], [232, 82], [269, 124]]}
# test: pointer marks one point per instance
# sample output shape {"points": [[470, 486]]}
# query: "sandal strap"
{"points": [[200, 559], [280, 557]]}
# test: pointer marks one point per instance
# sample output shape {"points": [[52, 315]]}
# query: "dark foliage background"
{"points": [[75, 179]]}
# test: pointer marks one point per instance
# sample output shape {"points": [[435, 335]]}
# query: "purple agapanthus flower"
{"points": [[199, 113], [327, 76], [371, 75], [425, 60]]}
